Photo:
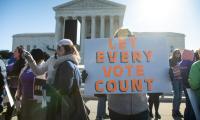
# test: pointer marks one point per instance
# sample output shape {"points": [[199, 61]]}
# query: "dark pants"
{"points": [[154, 100], [188, 113], [31, 110], [101, 107], [51, 111], [140, 116], [177, 88]]}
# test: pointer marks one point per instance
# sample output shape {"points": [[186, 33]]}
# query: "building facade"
{"points": [[98, 18], [44, 41]]}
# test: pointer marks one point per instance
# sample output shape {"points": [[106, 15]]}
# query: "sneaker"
{"points": [[157, 115], [179, 115]]}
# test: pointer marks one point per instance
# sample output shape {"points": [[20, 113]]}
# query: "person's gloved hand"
{"points": [[84, 75]]}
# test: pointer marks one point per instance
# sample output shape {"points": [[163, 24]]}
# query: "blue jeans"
{"points": [[177, 88], [188, 113], [101, 107]]}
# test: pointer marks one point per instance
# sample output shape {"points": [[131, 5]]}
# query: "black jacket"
{"points": [[67, 82]]}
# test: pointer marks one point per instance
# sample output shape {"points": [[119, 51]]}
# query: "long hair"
{"points": [[196, 55], [20, 50], [19, 64], [71, 49], [173, 59]]}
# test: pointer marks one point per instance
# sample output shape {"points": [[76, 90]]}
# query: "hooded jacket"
{"points": [[194, 78]]}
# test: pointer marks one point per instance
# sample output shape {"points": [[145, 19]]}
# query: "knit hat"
{"points": [[65, 42]]}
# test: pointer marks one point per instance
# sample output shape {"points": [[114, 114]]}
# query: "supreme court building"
{"points": [[97, 18]]}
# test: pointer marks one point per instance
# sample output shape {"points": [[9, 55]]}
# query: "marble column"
{"points": [[102, 26], [82, 42], [111, 26], [83, 27], [93, 27], [58, 28], [120, 21], [63, 25]]}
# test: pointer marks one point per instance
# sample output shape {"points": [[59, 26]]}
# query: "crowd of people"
{"points": [[60, 97], [63, 92]]}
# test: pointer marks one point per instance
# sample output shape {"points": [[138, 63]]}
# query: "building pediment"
{"points": [[89, 4]]}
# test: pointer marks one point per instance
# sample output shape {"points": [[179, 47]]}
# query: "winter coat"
{"points": [[194, 78], [69, 105]]}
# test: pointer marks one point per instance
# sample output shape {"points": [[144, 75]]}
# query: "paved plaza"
{"points": [[165, 110]]}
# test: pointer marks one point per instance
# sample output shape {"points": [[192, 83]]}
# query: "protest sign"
{"points": [[126, 65]]}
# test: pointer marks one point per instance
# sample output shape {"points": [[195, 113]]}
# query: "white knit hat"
{"points": [[65, 42]]}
